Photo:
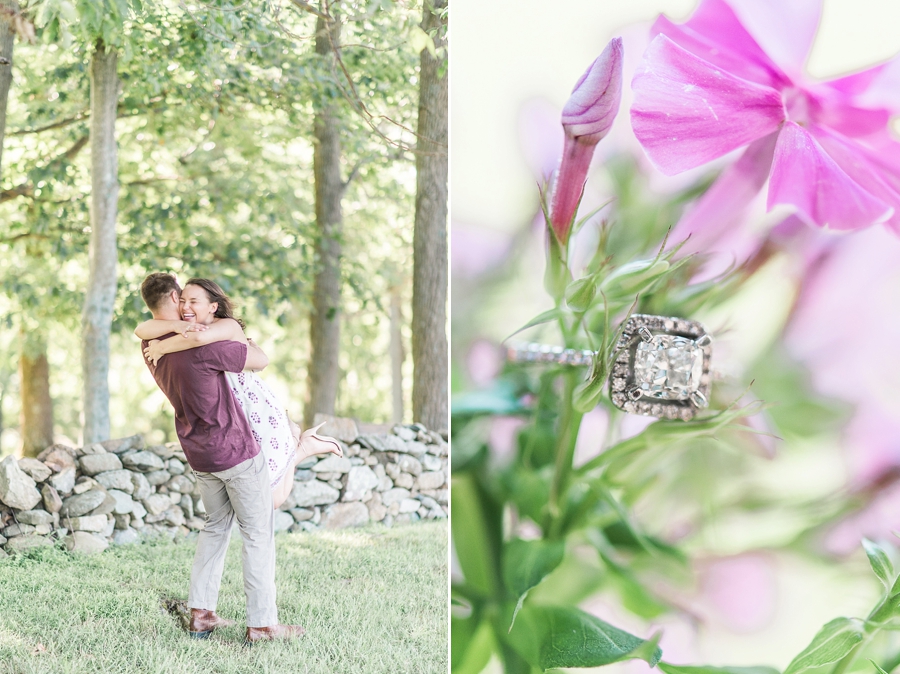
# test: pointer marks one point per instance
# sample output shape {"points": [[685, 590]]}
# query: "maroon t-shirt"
{"points": [[213, 430]]}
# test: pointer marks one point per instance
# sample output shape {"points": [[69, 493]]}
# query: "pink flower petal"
{"points": [[716, 35], [716, 217], [855, 84], [828, 106], [877, 87], [851, 157], [687, 111], [883, 152], [785, 30], [591, 109], [803, 175]]}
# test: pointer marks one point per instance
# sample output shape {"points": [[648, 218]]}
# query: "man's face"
{"points": [[195, 306]]}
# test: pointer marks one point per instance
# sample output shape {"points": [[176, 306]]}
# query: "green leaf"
{"points": [[529, 491], [471, 645], [502, 399], [635, 597], [580, 294], [527, 563], [554, 636], [473, 535], [878, 667], [663, 432], [881, 563], [885, 610], [833, 642], [588, 393], [678, 669], [635, 277], [545, 317], [556, 275]]}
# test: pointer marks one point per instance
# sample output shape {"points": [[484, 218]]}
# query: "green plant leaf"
{"points": [[886, 609], [878, 667], [544, 317], [555, 636], [502, 399], [588, 393], [881, 563], [474, 534], [678, 669], [471, 645], [833, 642], [580, 294], [527, 563]]}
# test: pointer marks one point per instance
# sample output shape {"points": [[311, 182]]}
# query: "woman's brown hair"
{"points": [[215, 294]]}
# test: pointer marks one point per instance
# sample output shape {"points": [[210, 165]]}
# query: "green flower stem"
{"points": [[569, 423]]}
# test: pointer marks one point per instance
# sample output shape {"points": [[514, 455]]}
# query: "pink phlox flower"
{"points": [[732, 77], [590, 111], [586, 118]]}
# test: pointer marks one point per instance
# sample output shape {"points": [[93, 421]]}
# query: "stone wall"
{"points": [[121, 491]]}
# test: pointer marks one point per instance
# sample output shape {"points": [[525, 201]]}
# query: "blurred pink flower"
{"points": [[591, 435], [477, 250], [740, 592], [845, 329], [502, 437], [732, 77], [484, 361], [877, 521], [586, 118]]}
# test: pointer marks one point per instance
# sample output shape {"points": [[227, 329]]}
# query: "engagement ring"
{"points": [[661, 366]]}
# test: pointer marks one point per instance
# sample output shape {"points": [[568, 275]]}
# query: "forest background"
{"points": [[274, 147]]}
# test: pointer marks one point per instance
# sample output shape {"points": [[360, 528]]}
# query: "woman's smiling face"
{"points": [[195, 306]]}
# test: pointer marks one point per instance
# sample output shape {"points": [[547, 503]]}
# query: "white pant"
{"points": [[241, 492]]}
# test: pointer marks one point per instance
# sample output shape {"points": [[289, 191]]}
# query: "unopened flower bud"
{"points": [[589, 113], [586, 118]]}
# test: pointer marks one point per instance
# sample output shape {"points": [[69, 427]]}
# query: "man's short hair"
{"points": [[157, 287]]}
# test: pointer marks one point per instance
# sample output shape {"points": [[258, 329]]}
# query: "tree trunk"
{"points": [[34, 382], [396, 356], [96, 319], [8, 9], [430, 275], [325, 323]]}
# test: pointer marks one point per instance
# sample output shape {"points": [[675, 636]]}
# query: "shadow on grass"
{"points": [[178, 609]]}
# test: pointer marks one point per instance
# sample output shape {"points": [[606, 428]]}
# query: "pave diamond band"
{"points": [[661, 368], [544, 353]]}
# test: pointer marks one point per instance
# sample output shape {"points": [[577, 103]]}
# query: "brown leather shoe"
{"points": [[255, 634], [203, 622]]}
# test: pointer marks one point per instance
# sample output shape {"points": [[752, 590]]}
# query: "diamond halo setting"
{"points": [[662, 367]]}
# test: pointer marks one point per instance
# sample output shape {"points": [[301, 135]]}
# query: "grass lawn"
{"points": [[371, 600]]}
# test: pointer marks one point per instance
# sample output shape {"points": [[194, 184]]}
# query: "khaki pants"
{"points": [[241, 492]]}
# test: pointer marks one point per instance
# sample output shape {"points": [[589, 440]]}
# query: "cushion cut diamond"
{"points": [[668, 367]]}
